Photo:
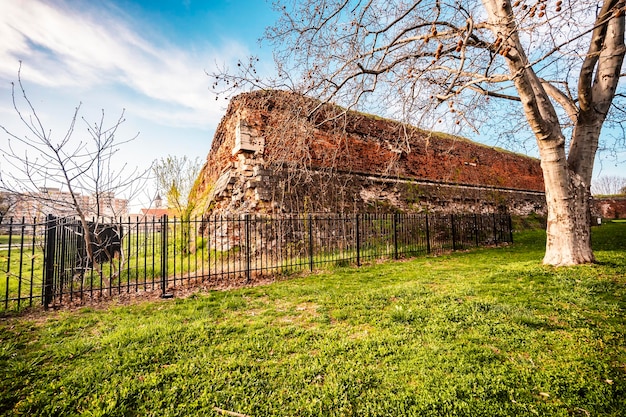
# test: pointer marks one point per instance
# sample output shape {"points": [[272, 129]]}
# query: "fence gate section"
{"points": [[71, 265]]}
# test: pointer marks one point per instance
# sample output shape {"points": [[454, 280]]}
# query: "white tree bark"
{"points": [[567, 178]]}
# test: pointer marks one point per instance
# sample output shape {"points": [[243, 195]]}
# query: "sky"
{"points": [[148, 58]]}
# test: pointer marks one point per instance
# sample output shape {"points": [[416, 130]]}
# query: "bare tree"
{"points": [[7, 203], [79, 171], [557, 64], [176, 176], [609, 185]]}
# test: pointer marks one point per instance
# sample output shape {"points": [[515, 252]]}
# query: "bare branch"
{"points": [[70, 177]]}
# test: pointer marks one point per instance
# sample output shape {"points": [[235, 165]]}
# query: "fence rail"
{"points": [[47, 263]]}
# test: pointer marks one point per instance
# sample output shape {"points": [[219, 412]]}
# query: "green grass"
{"points": [[489, 332], [140, 265]]}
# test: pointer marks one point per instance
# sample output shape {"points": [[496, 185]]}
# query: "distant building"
{"points": [[156, 212], [60, 203], [150, 218]]}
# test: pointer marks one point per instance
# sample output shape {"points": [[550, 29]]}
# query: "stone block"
{"points": [[260, 171], [252, 184], [262, 194], [223, 182], [246, 139]]}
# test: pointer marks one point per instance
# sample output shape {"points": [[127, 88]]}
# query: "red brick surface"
{"points": [[611, 208], [301, 132]]}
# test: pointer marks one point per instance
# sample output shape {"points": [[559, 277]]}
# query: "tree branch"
{"points": [[585, 96]]}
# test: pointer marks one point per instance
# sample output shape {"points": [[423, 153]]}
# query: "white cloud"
{"points": [[89, 49]]}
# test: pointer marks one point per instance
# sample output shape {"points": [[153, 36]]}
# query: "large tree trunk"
{"points": [[567, 179], [567, 197], [569, 224], [569, 212]]}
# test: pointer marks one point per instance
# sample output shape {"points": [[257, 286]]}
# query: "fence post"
{"points": [[19, 283], [174, 251], [427, 235], [395, 235], [49, 260], [476, 228], [32, 263], [495, 229], [453, 234], [510, 227], [358, 241], [247, 237], [61, 278], [164, 230], [6, 298], [310, 242]]}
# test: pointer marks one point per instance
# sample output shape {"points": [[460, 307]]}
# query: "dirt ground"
{"points": [[129, 296]]}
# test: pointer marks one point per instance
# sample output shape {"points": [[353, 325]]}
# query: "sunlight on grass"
{"points": [[487, 332]]}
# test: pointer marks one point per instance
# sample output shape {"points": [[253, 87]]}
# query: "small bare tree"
{"points": [[557, 64], [7, 203], [609, 185], [176, 176], [37, 161]]}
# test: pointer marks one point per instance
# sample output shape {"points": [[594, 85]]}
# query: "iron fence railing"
{"points": [[47, 263]]}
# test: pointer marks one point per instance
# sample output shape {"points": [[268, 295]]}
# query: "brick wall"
{"points": [[610, 207], [278, 151]]}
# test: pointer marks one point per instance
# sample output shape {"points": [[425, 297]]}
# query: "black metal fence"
{"points": [[47, 263]]}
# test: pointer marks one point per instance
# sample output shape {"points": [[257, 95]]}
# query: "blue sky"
{"points": [[147, 57]]}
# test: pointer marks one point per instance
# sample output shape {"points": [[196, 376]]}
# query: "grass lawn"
{"points": [[489, 332]]}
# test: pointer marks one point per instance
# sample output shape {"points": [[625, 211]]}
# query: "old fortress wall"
{"points": [[610, 207], [279, 152]]}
